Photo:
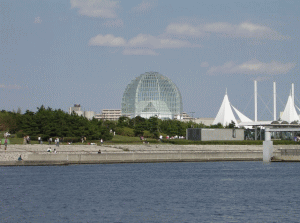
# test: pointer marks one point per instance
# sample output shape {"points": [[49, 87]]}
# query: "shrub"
{"points": [[20, 134], [71, 139], [147, 134], [125, 131]]}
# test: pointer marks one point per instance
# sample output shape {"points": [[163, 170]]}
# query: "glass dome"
{"points": [[152, 94]]}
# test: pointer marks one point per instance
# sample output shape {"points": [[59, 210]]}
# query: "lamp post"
{"points": [[192, 117]]}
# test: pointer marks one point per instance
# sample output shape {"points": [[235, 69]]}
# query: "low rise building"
{"points": [[109, 114], [203, 134]]}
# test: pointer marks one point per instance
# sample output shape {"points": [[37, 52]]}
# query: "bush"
{"points": [[71, 139], [20, 134], [147, 134], [125, 131]]}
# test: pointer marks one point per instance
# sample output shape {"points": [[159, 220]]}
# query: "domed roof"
{"points": [[152, 94]]}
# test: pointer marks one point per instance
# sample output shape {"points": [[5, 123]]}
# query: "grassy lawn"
{"points": [[118, 139]]}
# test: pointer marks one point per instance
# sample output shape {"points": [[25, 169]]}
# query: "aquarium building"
{"points": [[152, 94]]}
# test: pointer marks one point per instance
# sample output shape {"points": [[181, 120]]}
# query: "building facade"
{"points": [[109, 114], [152, 94]]}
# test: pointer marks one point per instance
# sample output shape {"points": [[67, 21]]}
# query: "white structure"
{"points": [[225, 115], [290, 114], [77, 109], [89, 114]]}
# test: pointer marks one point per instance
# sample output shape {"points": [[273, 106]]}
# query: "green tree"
{"points": [[153, 126]]}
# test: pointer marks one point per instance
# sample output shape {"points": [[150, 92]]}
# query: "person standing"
{"points": [[5, 144], [57, 142], [50, 140], [101, 141]]}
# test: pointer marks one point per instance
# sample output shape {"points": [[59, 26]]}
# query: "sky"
{"points": [[63, 52]]}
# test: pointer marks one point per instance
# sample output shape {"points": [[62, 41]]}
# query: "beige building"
{"points": [[109, 114]]}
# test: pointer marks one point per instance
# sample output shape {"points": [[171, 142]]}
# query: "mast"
{"points": [[293, 93], [274, 100], [255, 101]]}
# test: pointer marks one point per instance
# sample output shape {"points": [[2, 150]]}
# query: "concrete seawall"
{"points": [[80, 154], [140, 157]]}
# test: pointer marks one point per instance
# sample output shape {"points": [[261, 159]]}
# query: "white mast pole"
{"points": [[274, 99], [255, 101], [293, 93]]}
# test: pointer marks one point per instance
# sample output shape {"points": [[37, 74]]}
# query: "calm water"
{"points": [[161, 192]]}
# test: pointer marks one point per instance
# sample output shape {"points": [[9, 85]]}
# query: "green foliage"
{"points": [[153, 126], [125, 131], [52, 123], [140, 125], [8, 121], [217, 126], [123, 121], [231, 125], [148, 134], [72, 139]]}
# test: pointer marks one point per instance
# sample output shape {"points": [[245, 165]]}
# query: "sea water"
{"points": [[152, 192]]}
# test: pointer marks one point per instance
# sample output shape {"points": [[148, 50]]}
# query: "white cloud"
{"points": [[143, 7], [133, 51], [184, 29], [15, 86], [204, 64], [96, 8], [107, 40], [143, 40], [38, 20], [142, 44], [253, 67], [243, 30], [116, 23]]}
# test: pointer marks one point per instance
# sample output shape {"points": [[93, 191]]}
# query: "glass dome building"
{"points": [[152, 94]]}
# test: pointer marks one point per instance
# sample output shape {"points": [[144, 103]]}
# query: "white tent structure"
{"points": [[225, 115], [290, 114], [242, 117]]}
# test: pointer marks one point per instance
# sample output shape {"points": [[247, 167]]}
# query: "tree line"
{"points": [[47, 123]]}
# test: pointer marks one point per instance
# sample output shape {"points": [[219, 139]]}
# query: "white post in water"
{"points": [[274, 100], [268, 146]]}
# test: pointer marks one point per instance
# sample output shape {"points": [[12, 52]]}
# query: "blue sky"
{"points": [[57, 53]]}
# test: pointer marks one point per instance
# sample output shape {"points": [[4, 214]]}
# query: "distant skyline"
{"points": [[63, 52]]}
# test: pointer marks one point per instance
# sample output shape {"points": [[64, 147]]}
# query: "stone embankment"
{"points": [[88, 154]]}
